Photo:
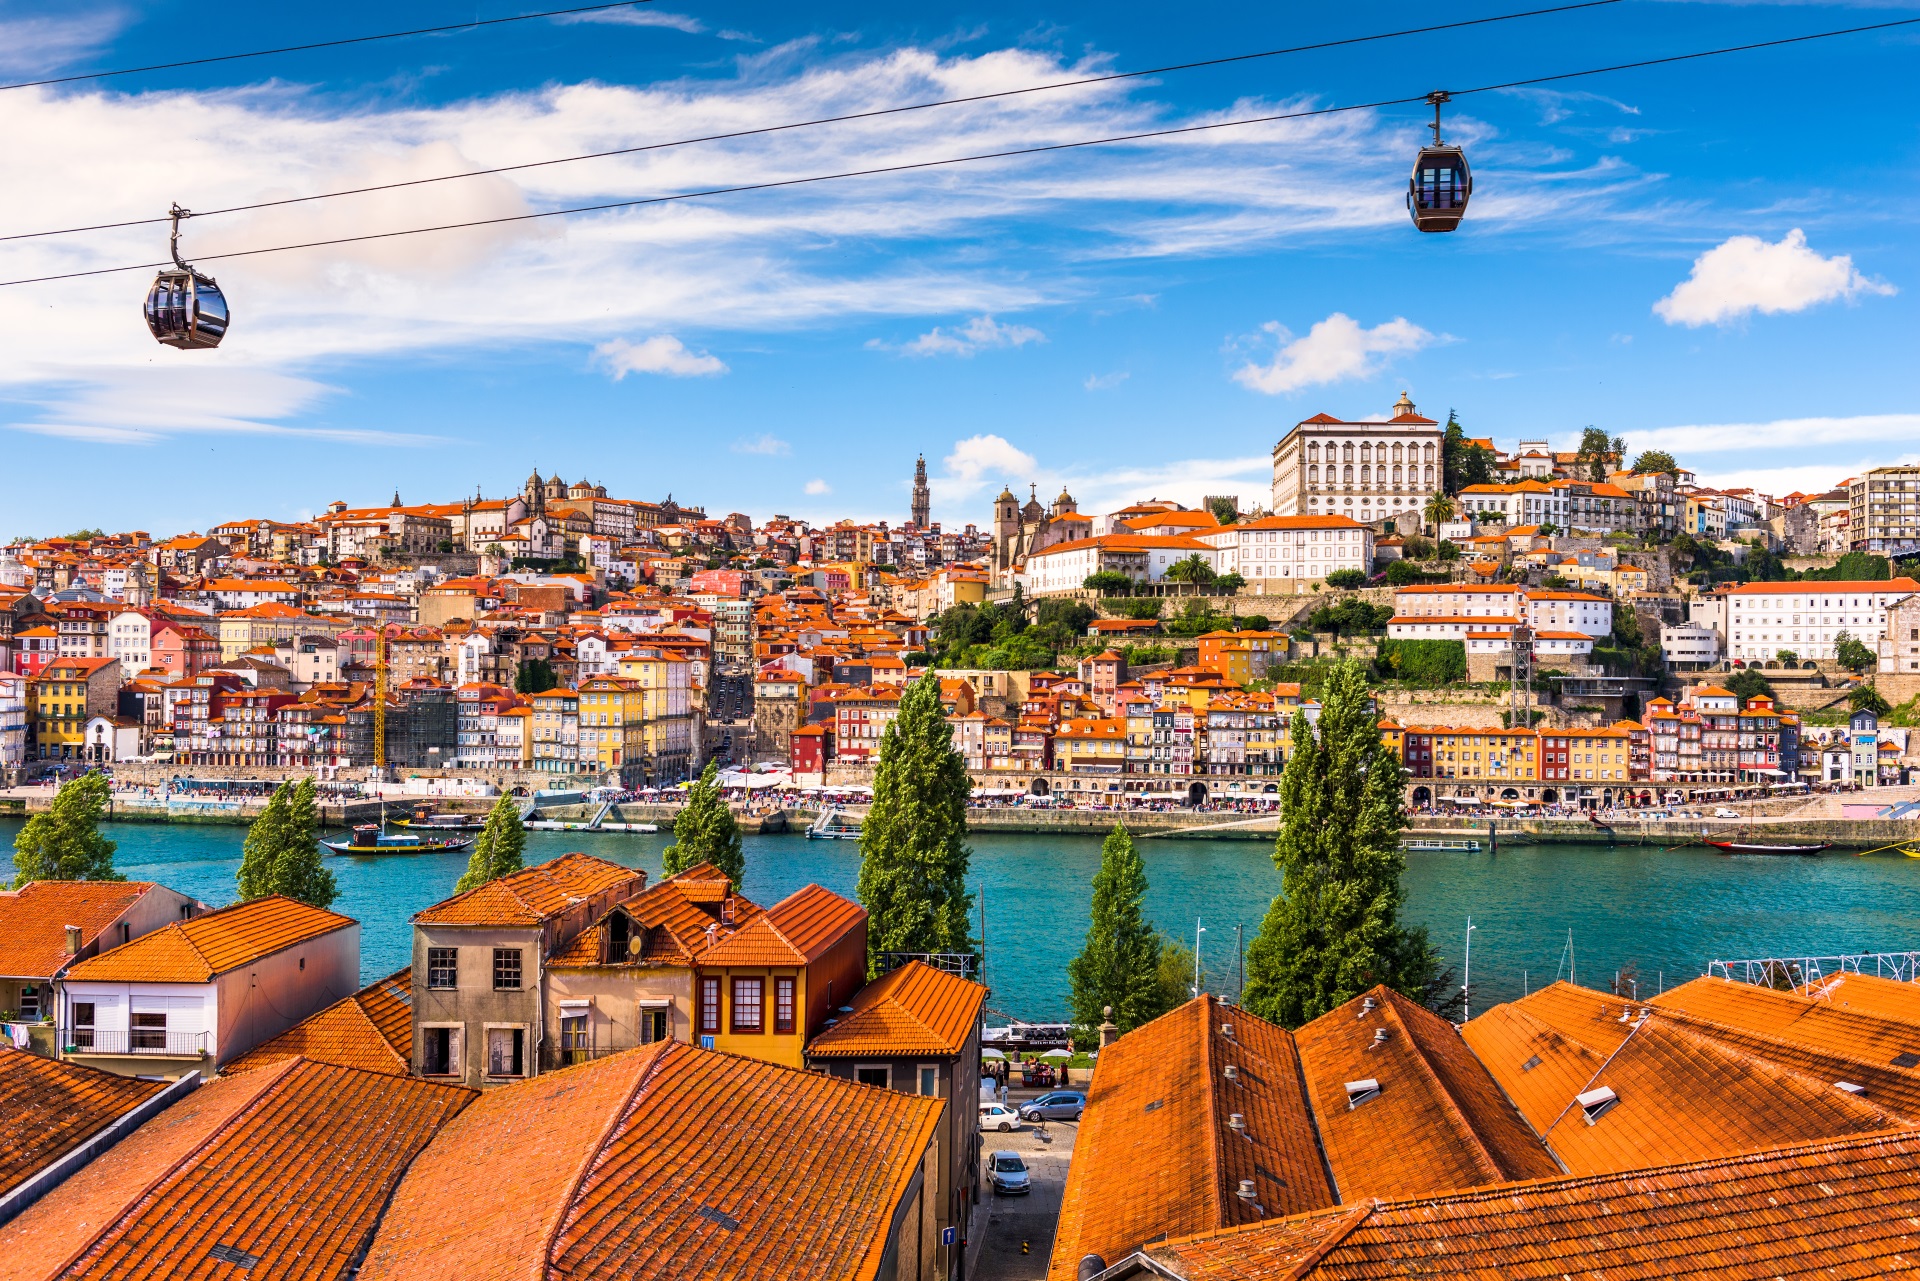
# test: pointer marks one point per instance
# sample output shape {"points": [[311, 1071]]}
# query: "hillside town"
{"points": [[1547, 627]]}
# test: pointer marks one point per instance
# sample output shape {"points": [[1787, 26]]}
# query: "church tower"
{"points": [[922, 498]]}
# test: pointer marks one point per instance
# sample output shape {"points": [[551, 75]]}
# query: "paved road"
{"points": [[1031, 1218]]}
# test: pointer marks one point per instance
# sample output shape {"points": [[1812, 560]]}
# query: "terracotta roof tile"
{"points": [[372, 1029], [915, 1009], [1438, 1121], [48, 1108], [1840, 1209], [1156, 1153], [665, 1161], [530, 896], [34, 920], [196, 950], [671, 919], [794, 931], [291, 1165]]}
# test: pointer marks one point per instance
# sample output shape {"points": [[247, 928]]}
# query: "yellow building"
{"points": [[68, 692], [1484, 754], [613, 715], [1091, 747], [666, 711], [555, 736]]}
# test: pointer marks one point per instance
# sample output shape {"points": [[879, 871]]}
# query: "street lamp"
{"points": [[1466, 987], [1198, 930]]}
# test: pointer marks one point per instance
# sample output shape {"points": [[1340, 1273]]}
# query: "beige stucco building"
{"points": [[1368, 471]]}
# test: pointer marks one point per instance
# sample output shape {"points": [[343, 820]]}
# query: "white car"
{"points": [[996, 1116], [1723, 812]]}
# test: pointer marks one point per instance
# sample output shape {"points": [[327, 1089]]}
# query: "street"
{"points": [[1013, 1220]]}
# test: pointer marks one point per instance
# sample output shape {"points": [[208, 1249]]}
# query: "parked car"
{"points": [[1008, 1174], [1723, 812], [1057, 1105], [998, 1116]]}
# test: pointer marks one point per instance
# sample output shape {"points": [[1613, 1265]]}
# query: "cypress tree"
{"points": [[1119, 967], [1333, 931], [298, 871], [705, 831], [266, 838], [497, 852], [64, 844], [913, 850]]}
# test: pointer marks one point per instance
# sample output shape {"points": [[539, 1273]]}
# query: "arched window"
{"points": [[1347, 478], [1396, 475], [1346, 452], [1366, 472], [1429, 481], [1313, 451], [1313, 475]]}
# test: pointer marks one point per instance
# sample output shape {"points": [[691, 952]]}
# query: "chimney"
{"points": [[73, 940], [1237, 1122], [1109, 1032], [1246, 1192]]}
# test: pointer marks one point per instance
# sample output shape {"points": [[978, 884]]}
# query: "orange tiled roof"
{"points": [[1157, 1154], [670, 921], [530, 896], [773, 1173], [915, 1009], [48, 1108], [372, 1029], [290, 1165], [794, 931], [34, 920], [1837, 1209], [196, 950]]}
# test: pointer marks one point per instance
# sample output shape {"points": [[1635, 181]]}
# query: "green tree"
{"points": [[1229, 584], [1439, 511], [534, 676], [1194, 569], [1852, 654], [497, 852], [1653, 462], [705, 830], [1402, 572], [1175, 975], [1333, 931], [1109, 582], [1596, 450], [1143, 608], [298, 870], [1347, 579], [913, 850], [1224, 510], [1865, 698], [1787, 657], [1447, 550], [266, 836], [1749, 683], [64, 844], [1119, 965]]}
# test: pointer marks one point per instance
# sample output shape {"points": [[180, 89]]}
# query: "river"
{"points": [[1666, 914]]}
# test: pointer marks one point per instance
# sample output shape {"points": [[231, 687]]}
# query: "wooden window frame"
{"points": [[709, 1012], [757, 985], [515, 959], [784, 988], [452, 954]]}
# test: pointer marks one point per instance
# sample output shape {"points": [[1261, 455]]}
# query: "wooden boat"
{"points": [[369, 838], [443, 822], [1747, 847]]}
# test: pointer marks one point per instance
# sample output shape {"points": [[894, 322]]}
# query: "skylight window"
{"points": [[1359, 1092], [1596, 1103]]}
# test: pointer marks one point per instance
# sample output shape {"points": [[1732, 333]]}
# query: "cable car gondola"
{"points": [[184, 308], [1437, 195]]}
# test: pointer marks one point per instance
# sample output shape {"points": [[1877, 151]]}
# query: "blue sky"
{"points": [[1716, 257]]}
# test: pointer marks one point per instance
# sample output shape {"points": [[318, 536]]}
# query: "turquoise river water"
{"points": [[1666, 914]]}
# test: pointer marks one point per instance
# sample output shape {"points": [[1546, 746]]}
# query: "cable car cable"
{"points": [[907, 167], [828, 120], [321, 44]]}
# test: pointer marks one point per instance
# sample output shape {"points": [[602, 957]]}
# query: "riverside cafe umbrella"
{"points": [[1056, 1054]]}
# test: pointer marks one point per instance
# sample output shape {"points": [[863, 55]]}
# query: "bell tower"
{"points": [[922, 496]]}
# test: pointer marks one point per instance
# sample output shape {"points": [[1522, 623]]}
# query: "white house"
{"points": [[198, 993], [1765, 618], [1277, 551], [1145, 558]]}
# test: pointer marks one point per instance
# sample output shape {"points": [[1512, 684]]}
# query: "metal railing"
{"points": [[962, 963], [1787, 973], [86, 1040]]}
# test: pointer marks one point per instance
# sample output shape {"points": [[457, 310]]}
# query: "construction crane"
{"points": [[380, 697]]}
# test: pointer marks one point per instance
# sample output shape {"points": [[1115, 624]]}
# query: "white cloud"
{"points": [[637, 17], [972, 461], [762, 444], [1782, 433], [1806, 478], [819, 487], [661, 354], [1747, 274], [977, 335], [1104, 382], [33, 46], [1336, 348]]}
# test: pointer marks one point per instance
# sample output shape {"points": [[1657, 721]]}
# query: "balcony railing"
{"points": [[157, 1041]]}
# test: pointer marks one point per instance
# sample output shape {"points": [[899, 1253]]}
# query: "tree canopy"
{"points": [[281, 854], [1333, 931], [1865, 698], [705, 830], [65, 844], [1654, 461], [1119, 964], [913, 850], [497, 852], [1851, 653]]}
